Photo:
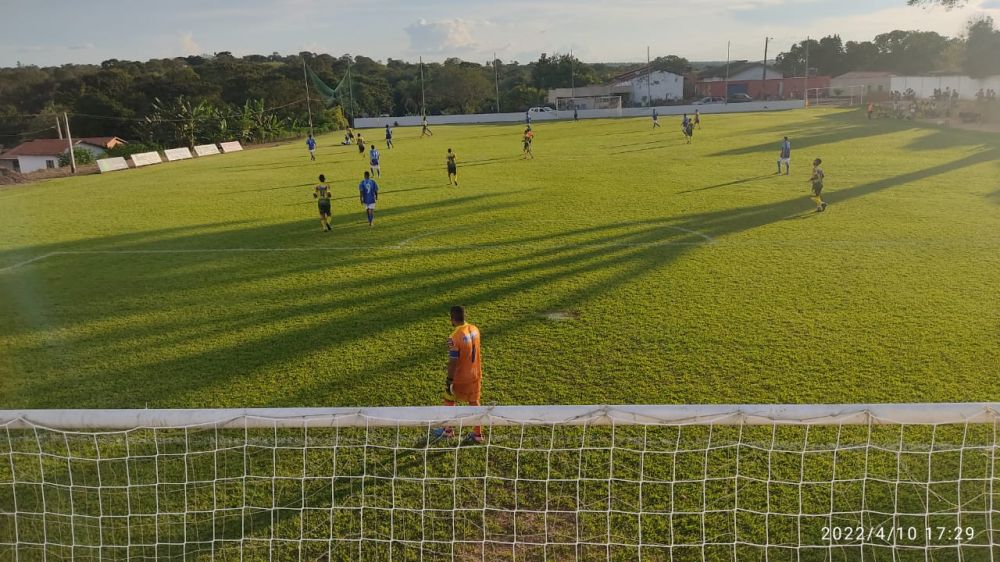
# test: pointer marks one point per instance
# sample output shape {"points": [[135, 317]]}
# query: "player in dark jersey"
{"points": [[452, 168], [322, 195], [388, 136]]}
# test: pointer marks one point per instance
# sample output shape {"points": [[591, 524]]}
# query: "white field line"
{"points": [[26, 262]]}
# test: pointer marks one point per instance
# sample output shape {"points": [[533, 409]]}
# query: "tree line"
{"points": [[901, 52], [255, 98]]}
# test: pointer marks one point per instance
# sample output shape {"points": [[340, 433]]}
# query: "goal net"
{"points": [[832, 482], [613, 103], [845, 96]]}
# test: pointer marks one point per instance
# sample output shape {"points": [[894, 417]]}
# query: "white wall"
{"points": [[924, 85], [35, 163], [414, 120]]}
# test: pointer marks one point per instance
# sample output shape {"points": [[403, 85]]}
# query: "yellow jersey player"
{"points": [[529, 137], [465, 372], [452, 168], [322, 196], [817, 186]]}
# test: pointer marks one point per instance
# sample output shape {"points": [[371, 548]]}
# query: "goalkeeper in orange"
{"points": [[465, 372]]}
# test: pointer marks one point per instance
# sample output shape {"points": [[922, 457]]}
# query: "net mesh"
{"points": [[338, 95], [651, 491]]}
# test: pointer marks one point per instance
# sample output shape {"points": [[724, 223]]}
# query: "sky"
{"points": [[50, 32]]}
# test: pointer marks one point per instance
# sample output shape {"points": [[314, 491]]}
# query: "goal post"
{"points": [[843, 96], [692, 482], [612, 105]]}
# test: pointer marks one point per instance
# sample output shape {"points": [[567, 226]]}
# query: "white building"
{"points": [[41, 154], [635, 87], [651, 87]]}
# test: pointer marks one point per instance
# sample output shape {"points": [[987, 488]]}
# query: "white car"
{"points": [[535, 110], [710, 100]]}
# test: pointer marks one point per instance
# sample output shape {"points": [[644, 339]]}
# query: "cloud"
{"points": [[439, 36], [82, 47], [188, 44], [990, 5]]}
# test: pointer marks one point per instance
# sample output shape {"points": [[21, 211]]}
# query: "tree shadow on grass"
{"points": [[265, 328], [730, 183]]}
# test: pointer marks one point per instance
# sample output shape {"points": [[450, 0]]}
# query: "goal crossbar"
{"points": [[705, 414]]}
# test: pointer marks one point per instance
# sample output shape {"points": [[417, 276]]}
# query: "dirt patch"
{"points": [[955, 123], [561, 315], [10, 177]]}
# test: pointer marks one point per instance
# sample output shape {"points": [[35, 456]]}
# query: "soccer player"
{"points": [[656, 119], [817, 186], [529, 136], [688, 127], [388, 136], [785, 157], [373, 161], [425, 131], [361, 145], [527, 118], [576, 115], [871, 110], [697, 119], [465, 372], [452, 169], [311, 145], [322, 196], [368, 190]]}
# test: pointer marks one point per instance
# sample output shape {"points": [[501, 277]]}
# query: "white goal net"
{"points": [[845, 96], [831, 482], [612, 103]]}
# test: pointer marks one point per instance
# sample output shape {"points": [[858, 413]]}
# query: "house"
{"points": [[868, 82], [41, 154], [749, 78], [649, 86], [635, 87]]}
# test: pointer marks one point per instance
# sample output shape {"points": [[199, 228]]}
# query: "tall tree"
{"points": [[982, 48]]}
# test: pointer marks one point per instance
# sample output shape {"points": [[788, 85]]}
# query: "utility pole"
{"points": [[725, 93], [59, 127], [496, 78], [805, 80], [649, 74], [305, 81], [572, 76], [763, 80], [69, 141], [423, 98]]}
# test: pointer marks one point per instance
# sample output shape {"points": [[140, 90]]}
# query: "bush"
{"points": [[126, 150], [83, 156], [338, 122]]}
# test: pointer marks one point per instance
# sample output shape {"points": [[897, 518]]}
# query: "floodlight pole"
{"points": [[423, 99], [496, 79], [649, 73], [350, 89], [805, 79], [725, 92], [59, 127], [305, 81], [69, 141]]}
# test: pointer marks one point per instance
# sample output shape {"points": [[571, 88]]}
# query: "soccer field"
{"points": [[621, 265]]}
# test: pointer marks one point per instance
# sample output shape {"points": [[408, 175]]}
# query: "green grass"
{"points": [[888, 296], [689, 273]]}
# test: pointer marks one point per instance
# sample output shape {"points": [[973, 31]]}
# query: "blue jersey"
{"points": [[388, 133], [369, 191], [374, 157], [786, 149], [311, 143]]}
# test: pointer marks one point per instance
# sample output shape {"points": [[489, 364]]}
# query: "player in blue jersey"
{"points": [[373, 156], [311, 145], [785, 156], [368, 191], [656, 119], [388, 136]]}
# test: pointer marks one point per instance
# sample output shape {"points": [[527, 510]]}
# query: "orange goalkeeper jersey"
{"points": [[463, 348]]}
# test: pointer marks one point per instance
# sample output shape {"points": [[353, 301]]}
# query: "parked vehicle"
{"points": [[540, 110], [739, 98], [710, 100]]}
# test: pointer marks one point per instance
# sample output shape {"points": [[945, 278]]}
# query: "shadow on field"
{"points": [[258, 330], [729, 183]]}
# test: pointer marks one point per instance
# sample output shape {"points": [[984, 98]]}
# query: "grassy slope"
{"points": [[889, 296]]}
